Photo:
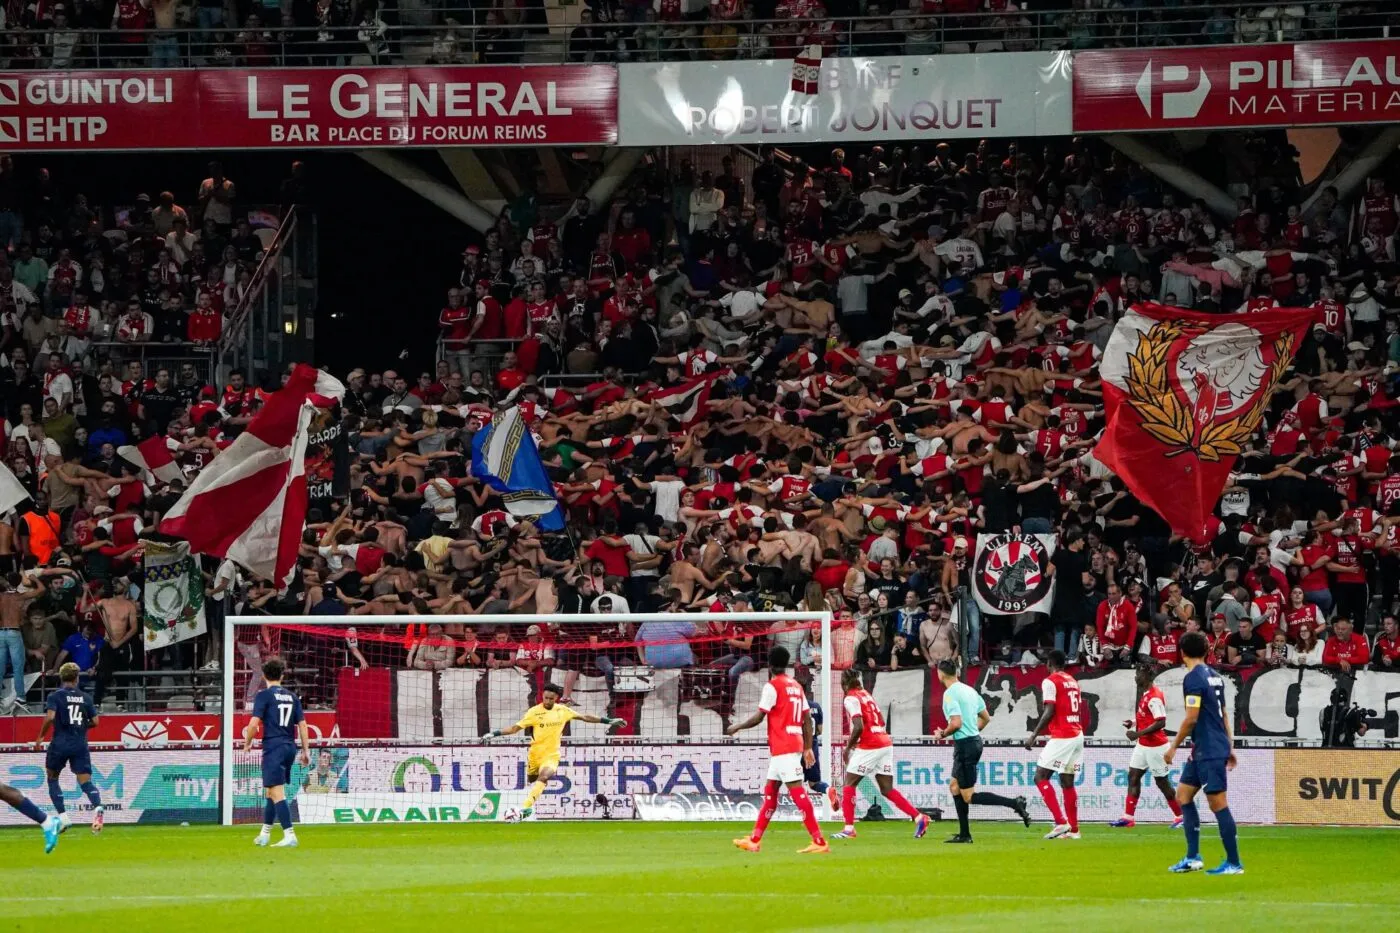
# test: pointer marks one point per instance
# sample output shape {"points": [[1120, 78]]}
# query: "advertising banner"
{"points": [[586, 772], [446, 807], [856, 99], [673, 783], [158, 786], [315, 108], [153, 730], [1342, 787], [710, 808], [921, 772], [1231, 86], [1263, 702]]}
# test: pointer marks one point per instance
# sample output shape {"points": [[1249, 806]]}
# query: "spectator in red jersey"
{"points": [[1116, 626], [457, 322], [1348, 572], [1345, 650], [1159, 647], [1385, 656], [511, 376], [205, 324]]}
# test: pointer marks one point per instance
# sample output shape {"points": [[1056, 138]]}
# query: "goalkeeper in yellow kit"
{"points": [[547, 719]]}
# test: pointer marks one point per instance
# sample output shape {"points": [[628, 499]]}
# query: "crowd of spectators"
{"points": [[901, 353], [87, 293], [75, 277], [903, 348], [759, 29], [214, 33]]}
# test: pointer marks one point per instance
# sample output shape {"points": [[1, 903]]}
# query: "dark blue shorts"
{"points": [[78, 758], [277, 765], [1208, 774]]}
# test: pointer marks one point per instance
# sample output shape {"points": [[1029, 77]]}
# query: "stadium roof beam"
{"points": [[476, 180], [1358, 169], [421, 183], [1182, 179], [614, 174]]}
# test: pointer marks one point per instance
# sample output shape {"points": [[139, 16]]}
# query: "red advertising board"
{"points": [[1227, 86], [308, 108], [151, 730]]}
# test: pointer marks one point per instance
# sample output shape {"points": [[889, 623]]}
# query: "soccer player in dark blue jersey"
{"points": [[71, 714], [277, 711], [1208, 727]]}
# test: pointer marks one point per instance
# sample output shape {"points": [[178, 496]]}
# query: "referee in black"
{"points": [[966, 713]]}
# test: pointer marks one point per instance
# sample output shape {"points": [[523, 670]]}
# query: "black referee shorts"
{"points": [[966, 754]]}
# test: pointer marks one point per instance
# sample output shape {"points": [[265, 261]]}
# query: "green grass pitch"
{"points": [[628, 876]]}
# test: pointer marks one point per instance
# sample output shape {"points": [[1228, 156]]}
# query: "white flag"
{"points": [[12, 491]]}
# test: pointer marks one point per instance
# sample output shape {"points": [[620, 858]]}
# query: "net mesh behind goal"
{"points": [[401, 708]]}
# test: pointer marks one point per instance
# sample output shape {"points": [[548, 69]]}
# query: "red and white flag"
{"points": [[688, 402], [1183, 393], [249, 503], [807, 70], [152, 458]]}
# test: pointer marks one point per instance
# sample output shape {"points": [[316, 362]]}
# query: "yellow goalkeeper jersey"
{"points": [[549, 727]]}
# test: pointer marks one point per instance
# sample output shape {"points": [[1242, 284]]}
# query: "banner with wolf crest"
{"points": [[1184, 392], [1011, 573]]}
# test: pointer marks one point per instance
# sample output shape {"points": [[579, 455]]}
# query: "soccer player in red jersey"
{"points": [[1149, 728], [784, 704], [1064, 746], [869, 750]]}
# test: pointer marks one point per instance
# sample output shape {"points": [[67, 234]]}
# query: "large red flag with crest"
{"points": [[1183, 392]]}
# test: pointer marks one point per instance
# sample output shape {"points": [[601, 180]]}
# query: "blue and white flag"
{"points": [[504, 456]]}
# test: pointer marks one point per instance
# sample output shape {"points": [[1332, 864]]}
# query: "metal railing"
{"points": [[267, 326], [145, 691], [460, 36], [159, 355]]}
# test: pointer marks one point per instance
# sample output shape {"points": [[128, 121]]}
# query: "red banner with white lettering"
{"points": [[153, 730], [1227, 86], [309, 108]]}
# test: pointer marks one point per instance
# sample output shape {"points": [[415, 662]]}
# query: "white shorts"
{"points": [[785, 768], [867, 761], [1150, 758], [1062, 755]]}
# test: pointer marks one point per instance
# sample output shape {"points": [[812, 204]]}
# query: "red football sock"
{"points": [[899, 800], [809, 815], [1171, 802], [1130, 806], [848, 804], [770, 806], [1047, 793], [1072, 808]]}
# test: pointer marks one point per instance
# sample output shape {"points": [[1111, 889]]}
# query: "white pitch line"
{"points": [[902, 898]]}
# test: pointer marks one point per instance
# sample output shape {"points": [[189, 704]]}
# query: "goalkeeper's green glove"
{"points": [[615, 723], [493, 734]]}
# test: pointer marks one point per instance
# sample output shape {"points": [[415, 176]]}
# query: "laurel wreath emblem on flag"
{"points": [[1167, 415]]}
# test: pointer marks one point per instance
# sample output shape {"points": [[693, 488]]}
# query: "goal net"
{"points": [[398, 707]]}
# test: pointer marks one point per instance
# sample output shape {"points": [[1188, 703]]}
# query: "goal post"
{"points": [[398, 707]]}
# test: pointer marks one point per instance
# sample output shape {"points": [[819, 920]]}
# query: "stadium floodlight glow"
{"points": [[410, 721]]}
